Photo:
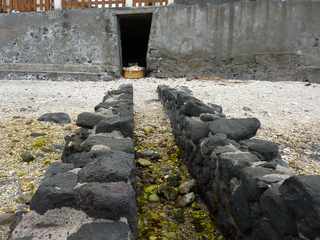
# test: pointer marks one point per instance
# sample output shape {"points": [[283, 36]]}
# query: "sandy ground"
{"points": [[276, 104]]}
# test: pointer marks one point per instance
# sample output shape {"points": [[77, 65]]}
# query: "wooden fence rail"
{"points": [[45, 5], [145, 3], [68, 4], [25, 5]]}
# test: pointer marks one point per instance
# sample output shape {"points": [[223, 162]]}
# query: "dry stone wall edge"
{"points": [[248, 188], [94, 186]]}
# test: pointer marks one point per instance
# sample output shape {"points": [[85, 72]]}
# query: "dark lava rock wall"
{"points": [[262, 39], [249, 190], [97, 173]]}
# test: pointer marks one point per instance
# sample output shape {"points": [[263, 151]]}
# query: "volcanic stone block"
{"points": [[240, 210], [118, 107], [73, 143], [59, 117], [58, 167], [83, 158], [102, 231], [113, 200], [265, 231], [79, 159], [236, 128], [123, 124], [118, 144], [113, 167], [208, 144], [208, 117], [55, 192], [302, 196], [266, 149], [90, 119], [275, 209], [55, 224], [125, 91], [194, 107], [254, 183], [195, 129], [231, 163]]}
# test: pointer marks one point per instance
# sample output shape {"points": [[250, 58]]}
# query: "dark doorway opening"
{"points": [[134, 31]]}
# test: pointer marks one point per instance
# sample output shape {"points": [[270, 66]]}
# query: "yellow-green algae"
{"points": [[39, 143], [17, 138], [159, 218]]}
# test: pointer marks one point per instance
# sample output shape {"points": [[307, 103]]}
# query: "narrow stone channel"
{"points": [[168, 205]]}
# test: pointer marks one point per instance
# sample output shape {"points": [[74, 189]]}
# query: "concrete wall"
{"points": [[74, 41], [263, 39]]}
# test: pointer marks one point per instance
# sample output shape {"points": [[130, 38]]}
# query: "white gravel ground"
{"points": [[276, 104], [289, 111]]}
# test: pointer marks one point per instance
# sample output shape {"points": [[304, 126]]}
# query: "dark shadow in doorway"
{"points": [[134, 31]]}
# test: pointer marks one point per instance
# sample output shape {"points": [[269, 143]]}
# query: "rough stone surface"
{"points": [[301, 194], [108, 200], [186, 200], [27, 157], [194, 108], [61, 118], [266, 149], [236, 129], [102, 231], [96, 176], [207, 117], [124, 125], [195, 128], [187, 187], [55, 192], [150, 154], [58, 167], [90, 119], [55, 224], [243, 182], [277, 211], [118, 166], [6, 218], [118, 144]]}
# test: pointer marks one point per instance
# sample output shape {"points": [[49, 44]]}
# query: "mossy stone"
{"points": [[27, 157], [154, 198]]}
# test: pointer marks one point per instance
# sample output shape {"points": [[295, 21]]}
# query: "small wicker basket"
{"points": [[133, 74]]}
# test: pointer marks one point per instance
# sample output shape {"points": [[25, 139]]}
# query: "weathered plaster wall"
{"points": [[60, 41], [263, 39]]}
